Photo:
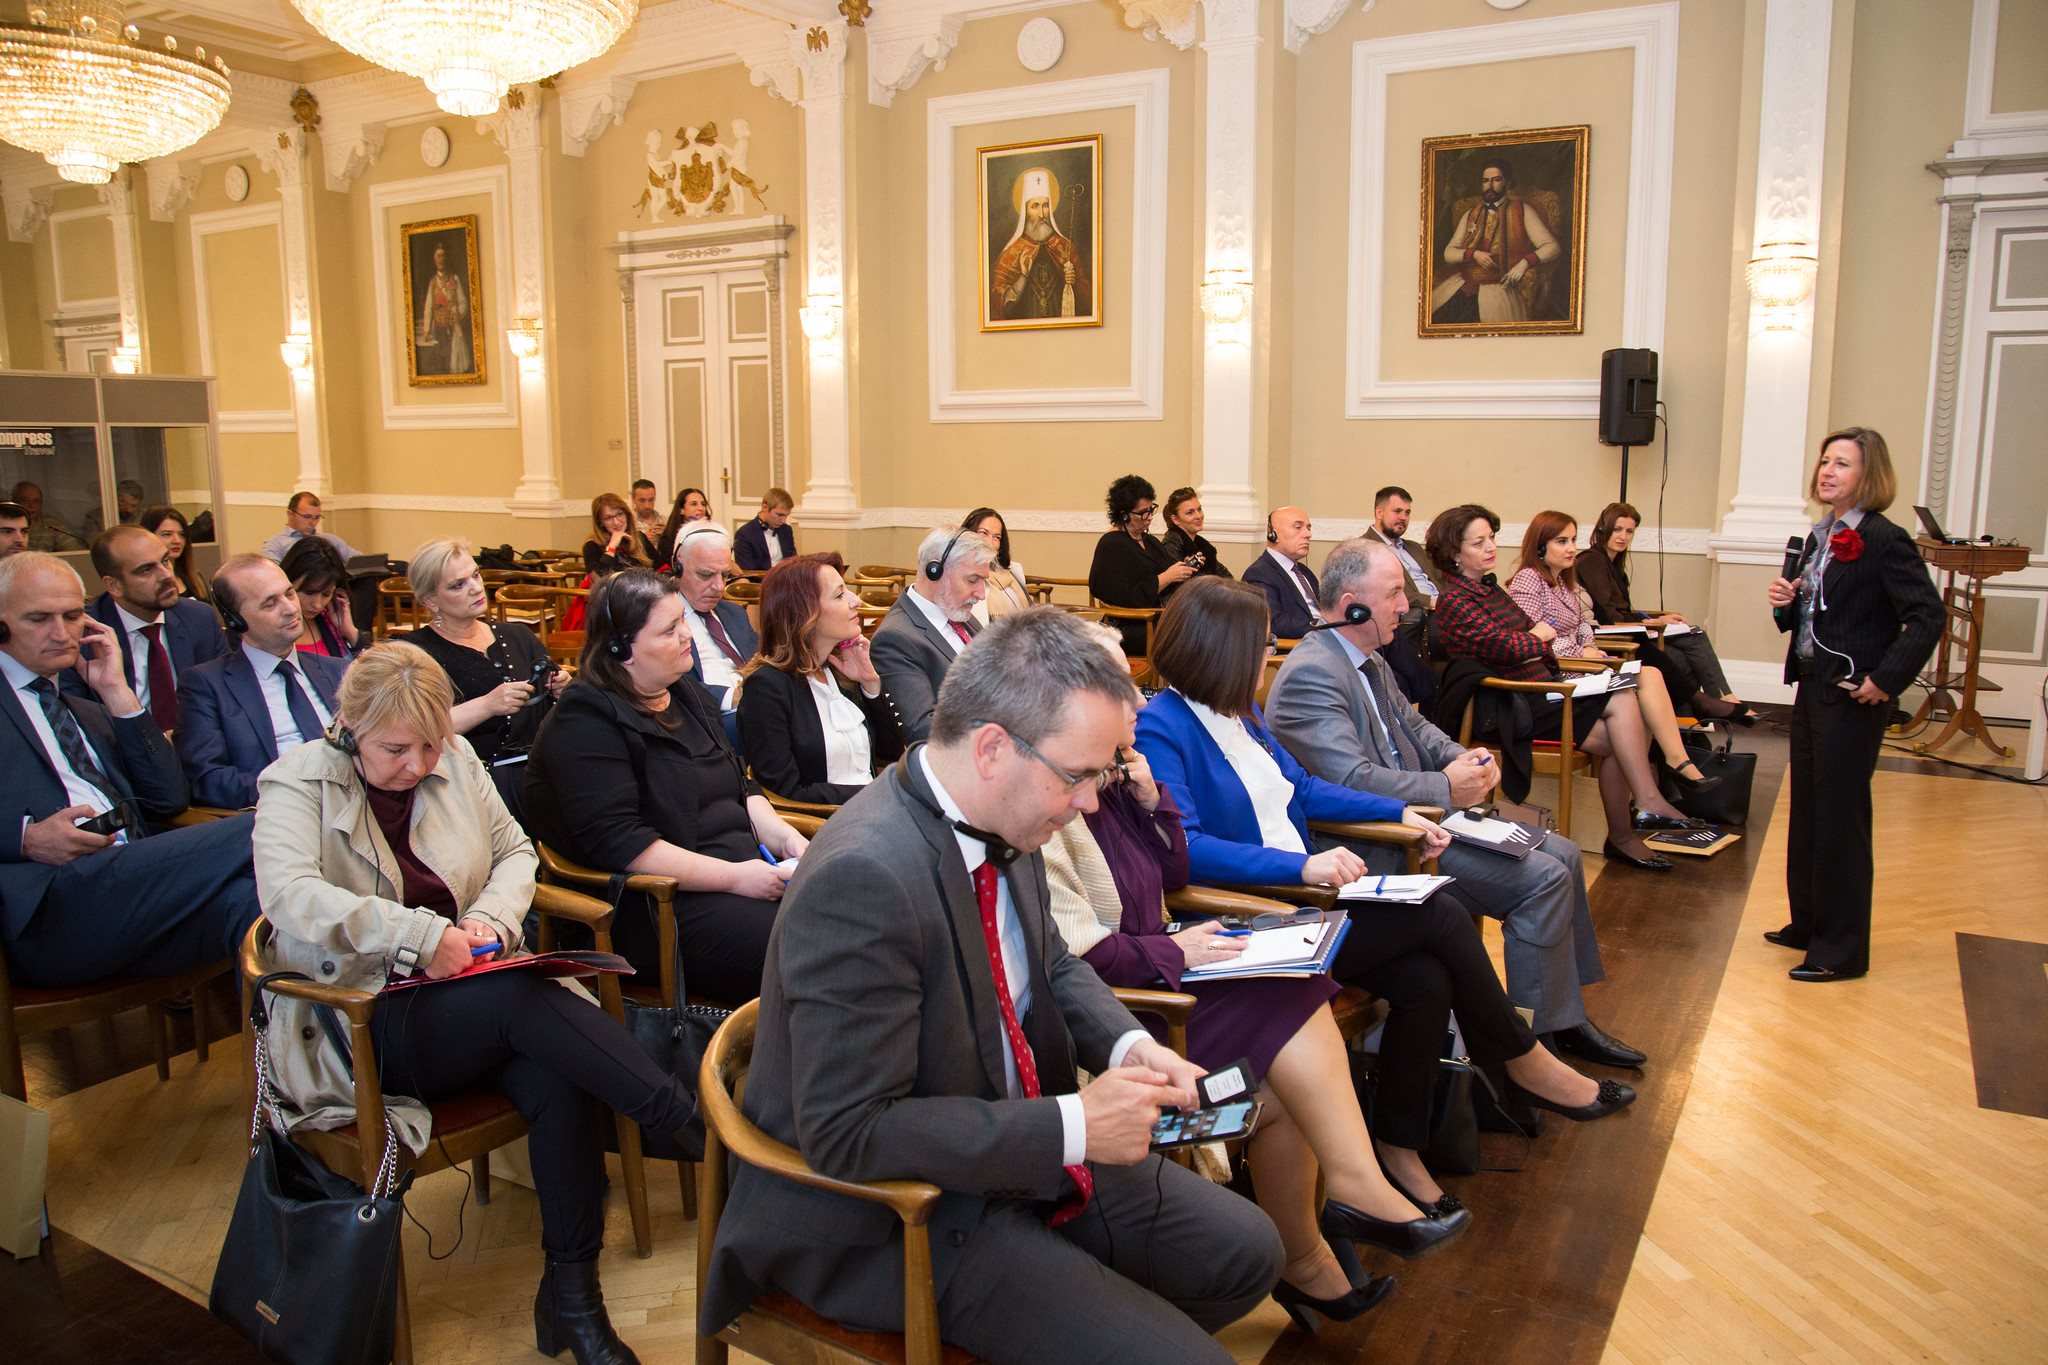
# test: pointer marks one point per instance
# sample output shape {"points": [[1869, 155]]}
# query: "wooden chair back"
{"points": [[1563, 763], [1036, 583], [397, 611], [1141, 664]]}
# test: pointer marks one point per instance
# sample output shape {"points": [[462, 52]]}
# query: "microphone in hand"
{"points": [[1794, 548]]}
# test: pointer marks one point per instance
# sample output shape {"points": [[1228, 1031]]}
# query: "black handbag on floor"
{"points": [[675, 1036], [1727, 804], [309, 1270], [1453, 1128]]}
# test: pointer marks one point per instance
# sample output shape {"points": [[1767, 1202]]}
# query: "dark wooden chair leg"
{"points": [[201, 1033], [160, 1039], [688, 1171], [481, 1170]]}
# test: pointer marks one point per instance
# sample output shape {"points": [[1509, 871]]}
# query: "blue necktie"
{"points": [[72, 740], [299, 704]]}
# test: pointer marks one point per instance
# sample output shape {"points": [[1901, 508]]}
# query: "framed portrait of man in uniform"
{"points": [[1041, 234], [444, 332], [1504, 233]]}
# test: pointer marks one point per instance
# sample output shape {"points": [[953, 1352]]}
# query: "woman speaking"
{"points": [[1863, 618]]}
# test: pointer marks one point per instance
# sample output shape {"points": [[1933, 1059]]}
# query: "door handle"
{"points": [[725, 479]]}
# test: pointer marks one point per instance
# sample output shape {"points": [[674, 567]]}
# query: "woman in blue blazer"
{"points": [[1245, 804]]}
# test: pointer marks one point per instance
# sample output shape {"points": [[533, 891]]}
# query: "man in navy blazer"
{"points": [[722, 639], [161, 633], [242, 712], [751, 544], [1289, 586], [77, 906]]}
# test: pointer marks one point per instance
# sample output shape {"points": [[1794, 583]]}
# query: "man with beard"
{"points": [[161, 633], [1040, 273], [931, 623], [1495, 246]]}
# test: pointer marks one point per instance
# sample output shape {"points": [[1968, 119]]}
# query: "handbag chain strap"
{"points": [[267, 1095]]}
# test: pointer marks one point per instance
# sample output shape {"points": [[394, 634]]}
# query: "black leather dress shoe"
{"points": [[1411, 1240], [1613, 1095], [1588, 1041], [1805, 973], [1783, 938], [1643, 820], [1656, 862], [1365, 1296]]}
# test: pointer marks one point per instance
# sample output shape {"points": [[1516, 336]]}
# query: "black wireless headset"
{"points": [[343, 738], [1272, 536], [934, 569], [611, 635], [1000, 852]]}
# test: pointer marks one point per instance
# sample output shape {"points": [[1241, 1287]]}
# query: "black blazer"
{"points": [[750, 543], [1179, 544], [224, 734], [784, 736], [133, 754], [192, 635], [1880, 609], [1291, 618]]}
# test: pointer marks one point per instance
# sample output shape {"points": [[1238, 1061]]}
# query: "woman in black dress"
{"points": [[1131, 568], [1183, 539], [631, 773]]}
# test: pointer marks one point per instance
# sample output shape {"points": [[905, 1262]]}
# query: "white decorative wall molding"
{"points": [[898, 53], [386, 279], [99, 303], [172, 184], [1650, 34], [1306, 18], [588, 110], [1230, 243], [1145, 93], [819, 54], [387, 502], [1770, 493], [357, 111], [1173, 20], [202, 226], [516, 126], [284, 156], [1040, 44], [28, 205], [1989, 133], [118, 194]]}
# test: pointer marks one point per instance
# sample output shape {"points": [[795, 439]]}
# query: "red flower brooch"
{"points": [[1846, 545]]}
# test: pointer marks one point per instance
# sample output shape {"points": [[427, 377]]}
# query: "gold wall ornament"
{"points": [[817, 40], [856, 12], [702, 177], [305, 109]]}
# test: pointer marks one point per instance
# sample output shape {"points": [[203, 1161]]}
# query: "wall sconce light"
{"points": [[1781, 275], [125, 360], [820, 317], [523, 336], [297, 350], [1227, 296]]}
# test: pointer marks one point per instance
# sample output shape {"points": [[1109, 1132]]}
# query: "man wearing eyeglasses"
{"points": [[302, 518], [921, 1018]]}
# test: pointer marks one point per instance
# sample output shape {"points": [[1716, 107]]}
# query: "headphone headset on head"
{"points": [[343, 738], [612, 645], [1357, 614], [1000, 852], [1272, 536], [6, 632], [935, 569], [230, 619]]}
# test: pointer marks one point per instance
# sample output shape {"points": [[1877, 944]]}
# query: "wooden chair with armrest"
{"points": [[466, 1127], [397, 611], [1141, 664], [1564, 761], [1035, 584]]}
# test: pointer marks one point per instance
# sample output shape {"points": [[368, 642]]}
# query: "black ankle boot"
{"points": [[569, 1312]]}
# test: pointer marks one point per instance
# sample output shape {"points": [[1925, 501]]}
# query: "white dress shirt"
{"points": [[719, 673], [138, 646], [848, 756], [1288, 567], [1267, 786], [947, 635], [1424, 584], [774, 544], [1010, 933], [1357, 657], [284, 731], [77, 791]]}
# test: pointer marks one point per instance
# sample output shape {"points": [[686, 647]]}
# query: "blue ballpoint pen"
{"points": [[766, 854]]}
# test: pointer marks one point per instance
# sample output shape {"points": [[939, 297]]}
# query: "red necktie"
{"points": [[1027, 1069], [960, 629], [163, 686], [718, 634]]}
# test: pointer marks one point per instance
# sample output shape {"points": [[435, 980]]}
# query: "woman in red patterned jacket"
{"points": [[1476, 619]]}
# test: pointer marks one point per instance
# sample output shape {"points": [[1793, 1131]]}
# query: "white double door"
{"points": [[706, 372]]}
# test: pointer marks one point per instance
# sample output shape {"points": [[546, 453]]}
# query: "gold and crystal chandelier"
{"points": [[80, 86], [469, 52]]}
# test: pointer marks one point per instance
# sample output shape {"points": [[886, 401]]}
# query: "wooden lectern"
{"points": [[1962, 600]]}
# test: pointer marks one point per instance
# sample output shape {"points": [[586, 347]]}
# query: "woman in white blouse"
{"points": [[814, 718], [1006, 575], [1547, 591]]}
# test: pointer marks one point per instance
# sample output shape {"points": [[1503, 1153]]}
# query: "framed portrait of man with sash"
{"points": [[444, 334], [1504, 233]]}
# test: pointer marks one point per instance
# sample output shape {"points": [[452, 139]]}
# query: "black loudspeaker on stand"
{"points": [[1628, 402]]}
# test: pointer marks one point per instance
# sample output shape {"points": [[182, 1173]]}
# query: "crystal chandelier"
{"points": [[79, 87], [469, 52]]}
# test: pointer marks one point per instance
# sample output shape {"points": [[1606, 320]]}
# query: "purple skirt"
{"points": [[1251, 1017]]}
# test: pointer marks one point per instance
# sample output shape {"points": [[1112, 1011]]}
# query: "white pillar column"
{"points": [[1770, 492], [284, 155], [820, 54], [120, 198], [1230, 242], [517, 129]]}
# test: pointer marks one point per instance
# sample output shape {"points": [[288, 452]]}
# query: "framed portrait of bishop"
{"points": [[1504, 233], [1041, 234]]}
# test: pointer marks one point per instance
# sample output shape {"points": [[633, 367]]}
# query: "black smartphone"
{"points": [[110, 821], [542, 670], [1193, 1127]]}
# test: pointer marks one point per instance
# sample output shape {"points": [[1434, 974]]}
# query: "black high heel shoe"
{"points": [[1691, 786], [1410, 1241], [1363, 1298], [1613, 1095]]}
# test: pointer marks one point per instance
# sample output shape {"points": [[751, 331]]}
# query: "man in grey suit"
{"points": [[1336, 707], [921, 1018], [931, 622]]}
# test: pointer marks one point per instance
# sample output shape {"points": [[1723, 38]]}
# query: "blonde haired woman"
{"points": [[385, 854]]}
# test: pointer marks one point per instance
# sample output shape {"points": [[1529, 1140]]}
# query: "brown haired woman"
{"points": [[168, 524], [615, 543], [814, 718], [1863, 618]]}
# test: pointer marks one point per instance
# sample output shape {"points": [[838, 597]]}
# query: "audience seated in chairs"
{"points": [[1282, 574], [1336, 708], [1005, 575], [921, 1019], [161, 634], [631, 773], [1106, 873], [931, 622], [387, 855], [1548, 593], [691, 505], [327, 622], [259, 701], [1478, 624], [767, 540], [76, 906], [615, 543], [1692, 671], [722, 639], [816, 720], [1131, 567], [492, 667], [1183, 540], [169, 525], [1245, 803]]}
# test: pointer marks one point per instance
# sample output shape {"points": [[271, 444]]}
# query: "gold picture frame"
{"points": [[444, 336], [1024, 286], [1539, 290]]}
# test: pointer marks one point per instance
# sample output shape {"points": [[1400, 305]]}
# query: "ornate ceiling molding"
{"points": [[1304, 19], [589, 111], [28, 207], [171, 186], [900, 53], [1173, 20]]}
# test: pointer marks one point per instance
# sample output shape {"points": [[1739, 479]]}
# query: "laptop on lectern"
{"points": [[1932, 525]]}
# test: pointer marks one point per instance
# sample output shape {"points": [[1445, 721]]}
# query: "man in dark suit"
{"points": [[767, 540], [161, 633], [76, 906], [1406, 649], [241, 712], [722, 639], [931, 622], [1289, 586], [921, 1018]]}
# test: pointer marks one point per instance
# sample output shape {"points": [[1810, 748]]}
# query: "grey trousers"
{"points": [[1546, 923], [1158, 1260]]}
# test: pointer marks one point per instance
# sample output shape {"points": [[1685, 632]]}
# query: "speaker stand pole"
{"points": [[1624, 474]]}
